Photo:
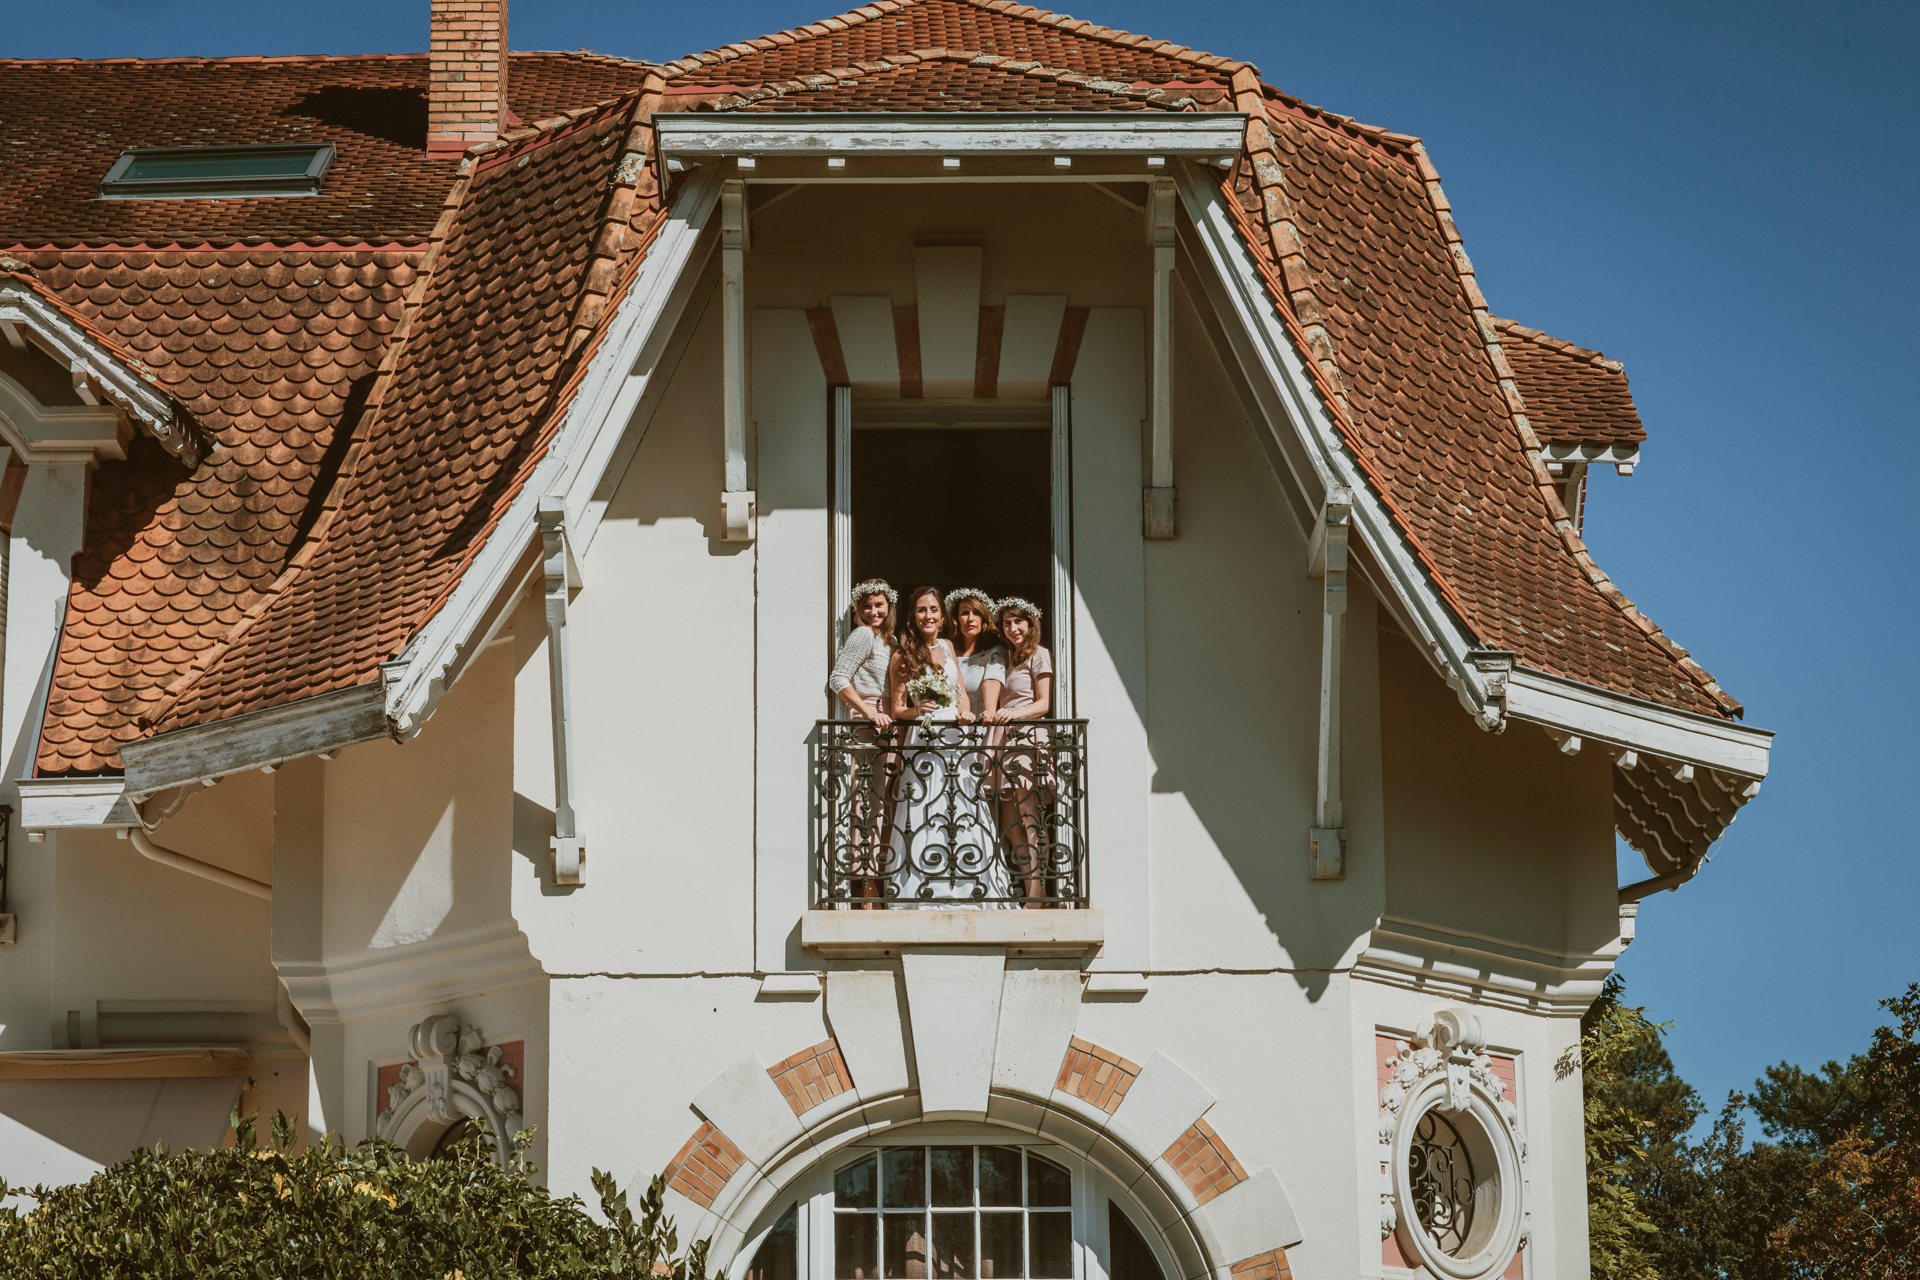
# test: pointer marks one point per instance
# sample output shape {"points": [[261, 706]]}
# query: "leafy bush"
{"points": [[367, 1214]]}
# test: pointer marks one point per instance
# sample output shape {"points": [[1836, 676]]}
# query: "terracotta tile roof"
{"points": [[889, 27], [272, 352], [63, 123], [1360, 250], [942, 82], [364, 467], [181, 437], [1574, 396], [549, 228]]}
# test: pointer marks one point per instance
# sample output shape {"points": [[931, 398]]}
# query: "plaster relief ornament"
{"points": [[455, 1075], [1454, 1160]]}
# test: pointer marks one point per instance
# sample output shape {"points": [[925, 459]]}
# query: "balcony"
{"points": [[964, 834]]}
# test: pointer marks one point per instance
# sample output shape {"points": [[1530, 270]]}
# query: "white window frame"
{"points": [[1092, 1190], [840, 611]]}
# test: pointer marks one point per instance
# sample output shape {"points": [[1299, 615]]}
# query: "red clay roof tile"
{"points": [[351, 494], [1573, 396]]}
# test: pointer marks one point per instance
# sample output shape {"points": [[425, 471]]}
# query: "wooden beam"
{"points": [[736, 500], [1327, 560], [1157, 504]]}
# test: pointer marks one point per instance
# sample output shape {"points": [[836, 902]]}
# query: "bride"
{"points": [[945, 849]]}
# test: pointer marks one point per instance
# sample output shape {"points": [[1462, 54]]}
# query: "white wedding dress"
{"points": [[946, 842]]}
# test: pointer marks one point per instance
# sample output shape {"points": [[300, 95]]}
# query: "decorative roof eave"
{"points": [[1679, 749], [102, 370], [1207, 135], [589, 437]]}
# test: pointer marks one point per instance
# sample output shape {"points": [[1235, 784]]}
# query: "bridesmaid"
{"points": [[983, 662], [859, 680], [1028, 696]]}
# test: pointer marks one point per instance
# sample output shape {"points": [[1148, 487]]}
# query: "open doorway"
{"points": [[955, 506]]}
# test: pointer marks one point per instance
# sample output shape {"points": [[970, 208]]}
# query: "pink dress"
{"points": [[1023, 762]]}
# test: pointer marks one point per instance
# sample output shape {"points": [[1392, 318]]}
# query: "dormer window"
{"points": [[216, 173]]}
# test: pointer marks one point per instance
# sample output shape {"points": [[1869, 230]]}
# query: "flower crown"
{"points": [[969, 593], [872, 587], [1018, 605]]}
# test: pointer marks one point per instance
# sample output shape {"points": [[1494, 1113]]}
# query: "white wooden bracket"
{"points": [[1157, 503], [1327, 560], [736, 501], [561, 574]]}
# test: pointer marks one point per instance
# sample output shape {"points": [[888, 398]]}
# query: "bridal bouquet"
{"points": [[932, 687]]}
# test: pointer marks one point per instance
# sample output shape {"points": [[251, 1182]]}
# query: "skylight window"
{"points": [[212, 173]]}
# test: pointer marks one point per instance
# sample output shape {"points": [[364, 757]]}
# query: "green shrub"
{"points": [[264, 1213]]}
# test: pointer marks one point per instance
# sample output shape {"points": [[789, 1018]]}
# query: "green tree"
{"points": [[1621, 1103], [1861, 1217], [328, 1213]]}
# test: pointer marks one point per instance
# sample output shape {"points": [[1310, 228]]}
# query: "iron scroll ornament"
{"points": [[1454, 1158], [1440, 1178], [950, 815]]}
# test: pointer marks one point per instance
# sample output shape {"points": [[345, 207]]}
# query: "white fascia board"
{"points": [[1611, 455], [1284, 369], [617, 376], [292, 731], [1565, 705], [50, 803], [1599, 715], [131, 388], [1204, 134]]}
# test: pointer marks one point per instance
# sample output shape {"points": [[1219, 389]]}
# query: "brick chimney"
{"points": [[467, 95]]}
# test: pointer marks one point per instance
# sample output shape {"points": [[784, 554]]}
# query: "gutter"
{"points": [[194, 867], [1661, 884]]}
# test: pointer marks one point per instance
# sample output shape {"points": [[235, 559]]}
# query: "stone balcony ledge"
{"points": [[1017, 932]]}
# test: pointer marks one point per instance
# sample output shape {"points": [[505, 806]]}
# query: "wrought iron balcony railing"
{"points": [[951, 816]]}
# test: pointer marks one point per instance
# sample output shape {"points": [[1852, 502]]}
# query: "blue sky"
{"points": [[1724, 197]]}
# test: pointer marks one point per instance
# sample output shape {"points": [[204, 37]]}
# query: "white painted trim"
{"points": [[1245, 292], [56, 803], [1601, 716], [1205, 134], [1579, 709], [876, 933], [91, 363], [1062, 602], [1608, 455], [841, 533], [289, 732], [615, 380]]}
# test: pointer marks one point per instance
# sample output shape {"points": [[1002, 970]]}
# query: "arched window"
{"points": [[961, 1203]]}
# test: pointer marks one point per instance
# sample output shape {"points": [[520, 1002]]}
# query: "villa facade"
{"points": [[433, 488]]}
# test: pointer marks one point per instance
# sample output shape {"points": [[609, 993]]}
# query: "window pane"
{"points": [[906, 1245], [1000, 1246], [1047, 1184], [778, 1257], [1052, 1245], [855, 1255], [1000, 1175], [853, 1186], [953, 1177], [903, 1178], [953, 1246], [1129, 1256], [221, 164]]}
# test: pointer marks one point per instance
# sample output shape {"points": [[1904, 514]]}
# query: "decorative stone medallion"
{"points": [[1455, 1159]]}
